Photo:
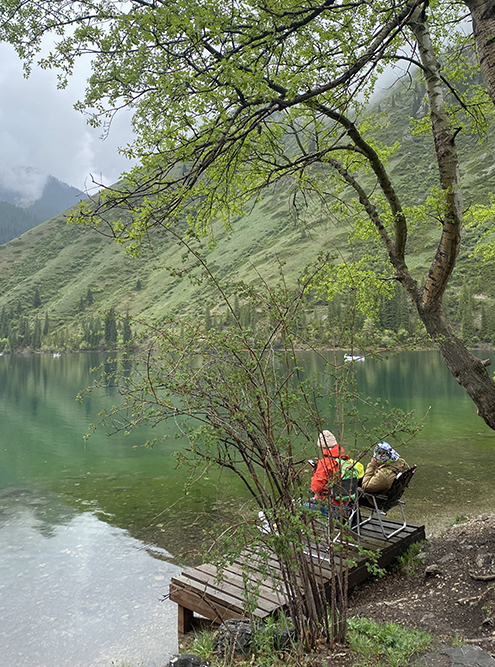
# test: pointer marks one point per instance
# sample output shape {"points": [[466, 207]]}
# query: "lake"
{"points": [[91, 531]]}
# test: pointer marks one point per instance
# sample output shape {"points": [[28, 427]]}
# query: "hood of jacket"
{"points": [[335, 452]]}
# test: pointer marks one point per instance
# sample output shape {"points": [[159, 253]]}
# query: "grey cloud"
{"points": [[39, 128]]}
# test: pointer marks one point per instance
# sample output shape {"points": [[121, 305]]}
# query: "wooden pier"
{"points": [[198, 590]]}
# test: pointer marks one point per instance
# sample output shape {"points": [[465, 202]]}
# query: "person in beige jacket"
{"points": [[382, 469]]}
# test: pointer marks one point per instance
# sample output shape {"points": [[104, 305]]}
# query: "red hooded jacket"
{"points": [[326, 468]]}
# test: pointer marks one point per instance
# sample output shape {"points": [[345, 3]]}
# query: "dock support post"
{"points": [[185, 620]]}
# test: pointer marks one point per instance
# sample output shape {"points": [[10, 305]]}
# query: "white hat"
{"points": [[326, 440]]}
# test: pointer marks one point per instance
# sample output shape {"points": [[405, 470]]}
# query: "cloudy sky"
{"points": [[39, 127]]}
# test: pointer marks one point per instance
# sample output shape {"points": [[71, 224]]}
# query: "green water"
{"points": [[139, 489], [455, 451], [124, 482], [91, 531]]}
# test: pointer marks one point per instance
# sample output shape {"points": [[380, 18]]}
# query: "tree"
{"points": [[36, 337], [208, 320], [487, 327], [110, 329], [24, 332], [254, 94], [89, 297], [4, 323], [126, 330], [483, 17], [12, 337], [46, 325], [466, 312], [246, 408], [92, 332], [36, 298]]}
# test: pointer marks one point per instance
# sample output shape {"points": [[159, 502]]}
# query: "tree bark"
{"points": [[483, 17], [469, 371]]}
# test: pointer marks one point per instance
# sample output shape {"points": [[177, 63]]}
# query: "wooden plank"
{"points": [[223, 592], [233, 583], [212, 600], [205, 592], [388, 555], [268, 588], [194, 601], [185, 620]]}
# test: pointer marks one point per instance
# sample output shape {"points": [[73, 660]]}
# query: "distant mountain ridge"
{"points": [[28, 197]]}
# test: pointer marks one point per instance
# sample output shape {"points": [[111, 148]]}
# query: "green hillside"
{"points": [[74, 274]]}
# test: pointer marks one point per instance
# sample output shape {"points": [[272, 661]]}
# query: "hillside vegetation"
{"points": [[62, 280]]}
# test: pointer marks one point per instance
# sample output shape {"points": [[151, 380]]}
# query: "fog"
{"points": [[40, 129]]}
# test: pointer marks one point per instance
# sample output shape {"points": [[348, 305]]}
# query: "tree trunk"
{"points": [[469, 371], [483, 16]]}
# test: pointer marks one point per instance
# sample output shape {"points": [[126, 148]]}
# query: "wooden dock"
{"points": [[198, 590]]}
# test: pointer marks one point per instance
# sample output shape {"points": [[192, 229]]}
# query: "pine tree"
{"points": [[12, 337], [208, 320], [36, 338], [36, 298], [27, 334], [387, 313], [4, 323], [487, 329], [24, 332], [126, 331], [138, 285], [465, 313], [89, 297], [237, 309], [92, 333], [46, 325], [81, 306], [110, 330], [403, 312]]}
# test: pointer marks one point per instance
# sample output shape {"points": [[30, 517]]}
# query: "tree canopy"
{"points": [[228, 98]]}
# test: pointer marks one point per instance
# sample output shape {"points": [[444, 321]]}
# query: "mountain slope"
{"points": [[63, 262], [28, 197], [14, 221]]}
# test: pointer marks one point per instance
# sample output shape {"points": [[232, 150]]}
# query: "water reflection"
{"points": [[75, 592]]}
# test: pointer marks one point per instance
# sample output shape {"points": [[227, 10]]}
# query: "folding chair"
{"points": [[380, 504], [348, 491]]}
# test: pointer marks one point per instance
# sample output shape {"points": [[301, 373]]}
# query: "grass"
{"points": [[370, 644], [409, 561], [459, 518], [264, 651], [392, 644], [458, 640]]}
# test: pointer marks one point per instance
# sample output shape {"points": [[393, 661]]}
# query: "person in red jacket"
{"points": [[326, 472], [328, 465]]}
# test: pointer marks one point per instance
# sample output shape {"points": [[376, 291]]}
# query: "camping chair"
{"points": [[348, 491], [380, 504]]}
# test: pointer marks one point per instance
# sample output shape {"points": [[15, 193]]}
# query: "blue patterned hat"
{"points": [[384, 452]]}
